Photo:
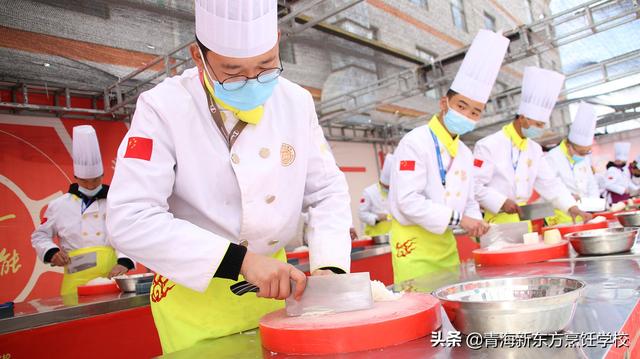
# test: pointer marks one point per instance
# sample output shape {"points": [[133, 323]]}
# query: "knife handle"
{"points": [[243, 287]]}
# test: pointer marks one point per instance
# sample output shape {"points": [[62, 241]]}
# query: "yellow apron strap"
{"points": [[379, 229], [184, 317], [105, 260], [416, 252]]}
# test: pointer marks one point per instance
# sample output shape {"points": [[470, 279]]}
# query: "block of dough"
{"points": [[552, 236], [531, 238], [618, 207], [598, 219]]}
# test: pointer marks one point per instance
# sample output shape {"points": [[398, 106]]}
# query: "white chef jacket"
{"points": [[76, 230], [372, 204], [497, 181], [618, 181], [178, 212], [417, 197], [578, 178]]}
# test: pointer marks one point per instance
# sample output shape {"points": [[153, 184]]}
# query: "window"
{"points": [[421, 3], [370, 33], [287, 52], [457, 11], [489, 22]]}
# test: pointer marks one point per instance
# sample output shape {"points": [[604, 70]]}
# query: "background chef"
{"points": [[78, 219]]}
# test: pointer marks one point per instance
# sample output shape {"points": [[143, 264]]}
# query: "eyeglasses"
{"points": [[580, 153], [235, 83]]}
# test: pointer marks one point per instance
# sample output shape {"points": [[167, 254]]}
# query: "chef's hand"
{"points": [[353, 234], [272, 276], [511, 207], [575, 196], [60, 259], [117, 270], [474, 227], [382, 217], [575, 212]]}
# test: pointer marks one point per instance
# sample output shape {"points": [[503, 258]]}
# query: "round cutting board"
{"points": [[413, 316], [521, 254]]}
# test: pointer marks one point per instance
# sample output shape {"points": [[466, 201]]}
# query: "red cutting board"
{"points": [[413, 316], [522, 254]]}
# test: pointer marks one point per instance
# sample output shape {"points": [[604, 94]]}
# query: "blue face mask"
{"points": [[89, 192], [577, 159], [532, 132], [248, 97], [457, 123]]}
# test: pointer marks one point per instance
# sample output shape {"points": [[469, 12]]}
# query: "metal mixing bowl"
{"points": [[629, 219], [127, 283], [511, 305], [603, 241], [382, 239]]}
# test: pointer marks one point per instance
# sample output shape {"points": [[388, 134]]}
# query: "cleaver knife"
{"points": [[324, 294], [536, 211]]}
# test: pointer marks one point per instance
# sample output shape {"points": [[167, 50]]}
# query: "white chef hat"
{"points": [[237, 28], [87, 162], [584, 125], [540, 90], [385, 174], [480, 66], [622, 151]]}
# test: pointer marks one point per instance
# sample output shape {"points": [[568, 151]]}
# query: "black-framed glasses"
{"points": [[580, 153], [235, 83]]}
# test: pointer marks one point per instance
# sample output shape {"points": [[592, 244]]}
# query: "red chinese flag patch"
{"points": [[478, 163], [407, 165], [139, 147]]}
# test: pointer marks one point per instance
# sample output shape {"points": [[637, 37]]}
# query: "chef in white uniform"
{"points": [[618, 182], [77, 218], [212, 177], [432, 179], [374, 209], [510, 162], [571, 161]]}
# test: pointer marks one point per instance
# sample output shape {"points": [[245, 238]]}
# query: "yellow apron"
{"points": [[505, 218], [184, 317], [379, 229], [560, 218], [105, 260], [416, 252]]}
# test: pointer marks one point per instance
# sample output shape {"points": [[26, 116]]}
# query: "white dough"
{"points": [[618, 207], [531, 238], [380, 293], [598, 219], [552, 236]]}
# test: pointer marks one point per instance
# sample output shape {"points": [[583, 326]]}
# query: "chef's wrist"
{"points": [[126, 262], [231, 263], [48, 256]]}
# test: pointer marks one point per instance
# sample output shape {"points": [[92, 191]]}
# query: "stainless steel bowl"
{"points": [[383, 239], [629, 219], [511, 305], [127, 283], [603, 241]]}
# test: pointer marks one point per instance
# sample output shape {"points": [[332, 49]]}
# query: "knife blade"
{"points": [[536, 211], [332, 294]]}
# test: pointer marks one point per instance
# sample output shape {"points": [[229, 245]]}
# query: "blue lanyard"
{"points": [[515, 166], [443, 173]]}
